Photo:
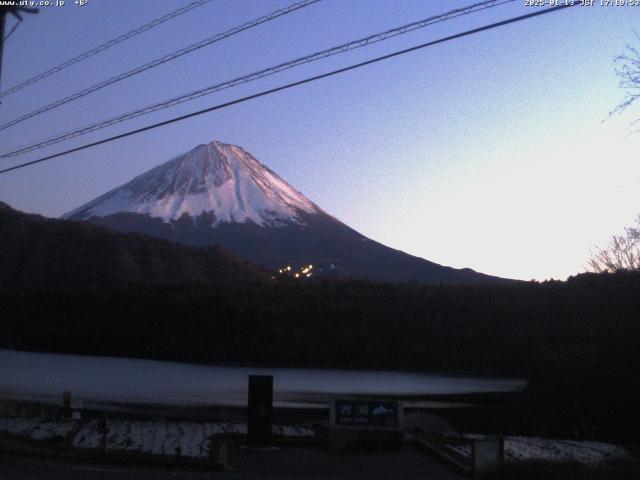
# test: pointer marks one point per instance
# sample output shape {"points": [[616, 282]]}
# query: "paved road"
{"points": [[287, 463]]}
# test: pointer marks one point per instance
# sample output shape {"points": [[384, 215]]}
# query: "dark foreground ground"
{"points": [[286, 463]]}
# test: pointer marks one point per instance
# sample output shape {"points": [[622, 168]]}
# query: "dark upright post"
{"points": [[66, 405], [3, 13], [260, 411], [105, 433]]}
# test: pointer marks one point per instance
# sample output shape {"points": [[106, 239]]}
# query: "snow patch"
{"points": [[534, 448], [36, 428], [216, 178], [186, 439]]}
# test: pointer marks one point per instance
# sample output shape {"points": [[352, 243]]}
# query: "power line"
{"points": [[162, 60], [362, 42], [105, 46], [294, 84]]}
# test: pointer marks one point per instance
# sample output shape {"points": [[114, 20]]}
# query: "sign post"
{"points": [[260, 410], [66, 404], [487, 455], [104, 426], [76, 405]]}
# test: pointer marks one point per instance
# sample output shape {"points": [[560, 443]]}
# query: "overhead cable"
{"points": [[162, 60], [291, 85], [362, 42], [104, 46]]}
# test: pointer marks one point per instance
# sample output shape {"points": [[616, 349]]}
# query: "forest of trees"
{"points": [[77, 288], [576, 341], [37, 252]]}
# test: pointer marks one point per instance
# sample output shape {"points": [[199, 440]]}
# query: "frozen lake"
{"points": [[25, 375]]}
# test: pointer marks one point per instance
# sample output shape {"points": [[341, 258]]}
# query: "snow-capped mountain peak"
{"points": [[233, 200], [215, 178]]}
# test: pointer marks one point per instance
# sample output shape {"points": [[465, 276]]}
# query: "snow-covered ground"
{"points": [[187, 439], [193, 439], [36, 428], [25, 375], [533, 448]]}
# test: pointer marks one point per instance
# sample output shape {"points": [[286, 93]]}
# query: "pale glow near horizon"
{"points": [[533, 209]]}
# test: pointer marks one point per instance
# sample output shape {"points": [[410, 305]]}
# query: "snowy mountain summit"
{"points": [[219, 179], [256, 215]]}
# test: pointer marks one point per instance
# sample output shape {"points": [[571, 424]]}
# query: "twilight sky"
{"points": [[488, 152]]}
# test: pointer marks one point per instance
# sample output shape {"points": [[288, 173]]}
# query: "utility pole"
{"points": [[3, 14], [16, 12]]}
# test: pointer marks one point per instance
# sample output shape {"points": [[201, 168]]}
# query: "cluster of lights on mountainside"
{"points": [[303, 272]]}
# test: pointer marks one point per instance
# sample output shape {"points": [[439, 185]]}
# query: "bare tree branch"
{"points": [[628, 72], [622, 253]]}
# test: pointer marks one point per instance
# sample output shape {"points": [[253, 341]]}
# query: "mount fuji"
{"points": [[219, 194]]}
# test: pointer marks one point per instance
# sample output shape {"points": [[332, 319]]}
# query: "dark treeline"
{"points": [[38, 252], [577, 341]]}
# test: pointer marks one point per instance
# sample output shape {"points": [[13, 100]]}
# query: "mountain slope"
{"points": [[218, 194], [45, 253]]}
